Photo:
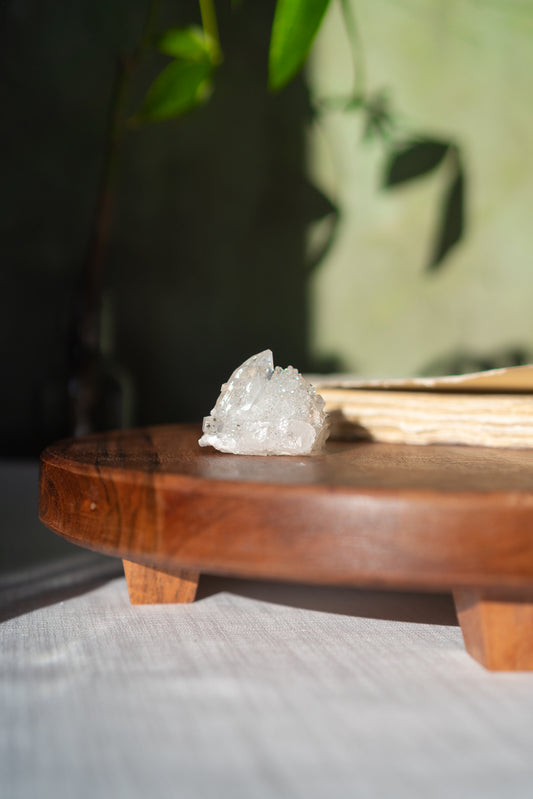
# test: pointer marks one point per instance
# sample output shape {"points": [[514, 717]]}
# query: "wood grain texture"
{"points": [[148, 586], [377, 515], [359, 514], [497, 629]]}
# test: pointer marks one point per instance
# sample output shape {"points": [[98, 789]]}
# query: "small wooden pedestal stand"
{"points": [[368, 515]]}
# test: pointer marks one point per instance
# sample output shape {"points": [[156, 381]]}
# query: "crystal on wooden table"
{"points": [[266, 410]]}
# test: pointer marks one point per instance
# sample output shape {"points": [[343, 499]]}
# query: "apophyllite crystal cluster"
{"points": [[264, 410]]}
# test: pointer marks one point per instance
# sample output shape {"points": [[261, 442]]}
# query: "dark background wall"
{"points": [[206, 258]]}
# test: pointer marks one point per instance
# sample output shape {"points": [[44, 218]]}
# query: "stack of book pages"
{"points": [[492, 408]]}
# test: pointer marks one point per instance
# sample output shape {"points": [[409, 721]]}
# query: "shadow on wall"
{"points": [[458, 363], [206, 263]]}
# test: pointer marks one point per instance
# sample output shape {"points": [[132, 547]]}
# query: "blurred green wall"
{"points": [[454, 69]]}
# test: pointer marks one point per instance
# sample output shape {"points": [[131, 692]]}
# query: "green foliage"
{"points": [[295, 25], [196, 52], [190, 44], [187, 81], [179, 88]]}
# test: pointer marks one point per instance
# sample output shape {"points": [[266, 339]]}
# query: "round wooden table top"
{"points": [[432, 517]]}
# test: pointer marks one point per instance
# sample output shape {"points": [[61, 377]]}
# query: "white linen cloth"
{"points": [[249, 693]]}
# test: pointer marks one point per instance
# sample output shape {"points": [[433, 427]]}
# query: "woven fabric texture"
{"points": [[253, 691]]}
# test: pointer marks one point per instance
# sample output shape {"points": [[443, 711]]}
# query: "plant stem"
{"points": [[92, 272], [145, 41], [356, 51], [92, 275], [210, 26]]}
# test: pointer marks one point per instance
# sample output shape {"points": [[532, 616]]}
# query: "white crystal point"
{"points": [[264, 410]]}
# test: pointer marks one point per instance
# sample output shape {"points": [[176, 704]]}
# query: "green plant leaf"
{"points": [[451, 226], [414, 160], [191, 44], [295, 25], [179, 88]]}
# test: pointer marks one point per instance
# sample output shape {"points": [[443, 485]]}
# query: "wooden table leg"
{"points": [[497, 629], [148, 586]]}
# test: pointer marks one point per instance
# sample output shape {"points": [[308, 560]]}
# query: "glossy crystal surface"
{"points": [[266, 410]]}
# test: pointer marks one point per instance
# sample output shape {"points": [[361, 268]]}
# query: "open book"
{"points": [[493, 408]]}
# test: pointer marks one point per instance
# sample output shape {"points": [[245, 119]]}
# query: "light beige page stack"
{"points": [[492, 408]]}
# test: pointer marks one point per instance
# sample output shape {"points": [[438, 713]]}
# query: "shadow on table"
{"points": [[419, 608], [37, 567], [54, 581], [40, 586]]}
